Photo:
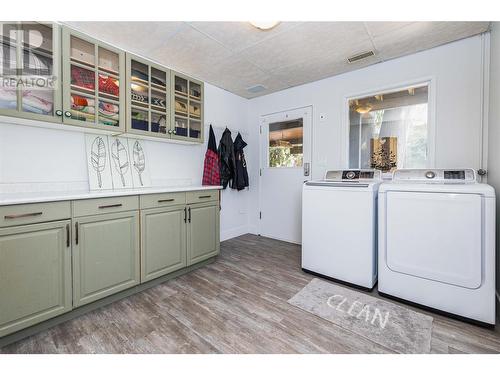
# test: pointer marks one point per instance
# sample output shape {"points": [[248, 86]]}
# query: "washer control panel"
{"points": [[436, 175], [353, 175]]}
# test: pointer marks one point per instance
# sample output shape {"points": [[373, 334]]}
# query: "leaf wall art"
{"points": [[121, 165], [98, 162], [139, 163]]}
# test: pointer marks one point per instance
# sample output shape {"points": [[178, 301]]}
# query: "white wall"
{"points": [[34, 158], [456, 73], [494, 128]]}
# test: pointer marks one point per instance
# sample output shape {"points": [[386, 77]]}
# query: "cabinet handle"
{"points": [[76, 233], [59, 113], [111, 205], [174, 131], [204, 196], [166, 200], [185, 214], [189, 210], [67, 114], [19, 216], [67, 235], [169, 131]]}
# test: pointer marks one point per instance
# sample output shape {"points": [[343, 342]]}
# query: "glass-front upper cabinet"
{"points": [[148, 96], [187, 103], [30, 70], [94, 83]]}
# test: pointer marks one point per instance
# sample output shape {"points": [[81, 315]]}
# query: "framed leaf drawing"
{"points": [[121, 168], [139, 163], [98, 162]]}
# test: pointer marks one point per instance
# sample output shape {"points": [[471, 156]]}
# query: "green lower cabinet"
{"points": [[105, 255], [203, 231], [35, 274], [163, 238]]}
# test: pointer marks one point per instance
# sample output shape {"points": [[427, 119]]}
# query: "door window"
{"points": [[285, 144]]}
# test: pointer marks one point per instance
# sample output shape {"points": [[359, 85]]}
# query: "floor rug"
{"points": [[393, 326]]}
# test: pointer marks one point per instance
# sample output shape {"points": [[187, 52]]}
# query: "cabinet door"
{"points": [[163, 233], [93, 88], [203, 232], [105, 255], [31, 70], [187, 108], [35, 274], [148, 98]]}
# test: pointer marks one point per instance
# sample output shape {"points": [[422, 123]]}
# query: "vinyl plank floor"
{"points": [[238, 304]]}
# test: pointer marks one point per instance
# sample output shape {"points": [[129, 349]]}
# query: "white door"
{"points": [[285, 163]]}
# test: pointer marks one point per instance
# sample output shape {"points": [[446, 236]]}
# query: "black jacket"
{"points": [[226, 159], [241, 174]]}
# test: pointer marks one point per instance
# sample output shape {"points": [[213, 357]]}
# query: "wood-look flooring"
{"points": [[237, 304]]}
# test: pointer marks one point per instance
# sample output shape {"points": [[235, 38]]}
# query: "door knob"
{"points": [[482, 172]]}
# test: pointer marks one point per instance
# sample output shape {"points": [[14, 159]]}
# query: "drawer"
{"points": [[202, 196], [162, 200], [98, 206], [34, 213]]}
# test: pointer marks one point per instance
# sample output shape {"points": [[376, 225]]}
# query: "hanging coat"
{"points": [[211, 173], [226, 159], [241, 173]]}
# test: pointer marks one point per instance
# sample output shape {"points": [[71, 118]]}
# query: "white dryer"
{"points": [[437, 241], [339, 232]]}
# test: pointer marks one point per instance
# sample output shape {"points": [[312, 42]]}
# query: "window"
{"points": [[285, 144], [389, 130]]}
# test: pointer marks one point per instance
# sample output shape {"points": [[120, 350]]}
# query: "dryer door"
{"points": [[435, 236]]}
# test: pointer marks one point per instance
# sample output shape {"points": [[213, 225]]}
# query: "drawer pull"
{"points": [[166, 200], [112, 205], [19, 216], [204, 196]]}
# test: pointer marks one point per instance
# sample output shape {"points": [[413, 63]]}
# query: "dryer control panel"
{"points": [[435, 175]]}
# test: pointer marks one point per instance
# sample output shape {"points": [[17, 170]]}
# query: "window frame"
{"points": [[430, 82]]}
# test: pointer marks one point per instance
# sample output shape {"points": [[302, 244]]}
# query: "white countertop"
{"points": [[39, 197]]}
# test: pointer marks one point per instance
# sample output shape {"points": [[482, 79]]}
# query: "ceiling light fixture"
{"points": [[264, 25]]}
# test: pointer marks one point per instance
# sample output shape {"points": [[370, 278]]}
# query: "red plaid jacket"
{"points": [[211, 173]]}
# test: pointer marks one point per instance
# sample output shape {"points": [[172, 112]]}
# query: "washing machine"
{"points": [[339, 226], [437, 241]]}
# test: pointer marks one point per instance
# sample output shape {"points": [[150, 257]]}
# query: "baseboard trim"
{"points": [[19, 335], [234, 232]]}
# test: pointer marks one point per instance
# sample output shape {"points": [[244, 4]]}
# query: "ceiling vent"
{"points": [[360, 56], [256, 89]]}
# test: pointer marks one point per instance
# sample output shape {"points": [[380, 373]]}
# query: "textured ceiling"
{"points": [[236, 56]]}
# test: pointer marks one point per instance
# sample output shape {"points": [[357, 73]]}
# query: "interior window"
{"points": [[389, 130], [285, 144]]}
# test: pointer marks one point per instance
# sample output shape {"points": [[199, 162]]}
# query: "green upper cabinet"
{"points": [[30, 70], [93, 82], [148, 98], [187, 105]]}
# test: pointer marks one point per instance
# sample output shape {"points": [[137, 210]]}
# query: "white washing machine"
{"points": [[437, 241], [339, 230]]}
